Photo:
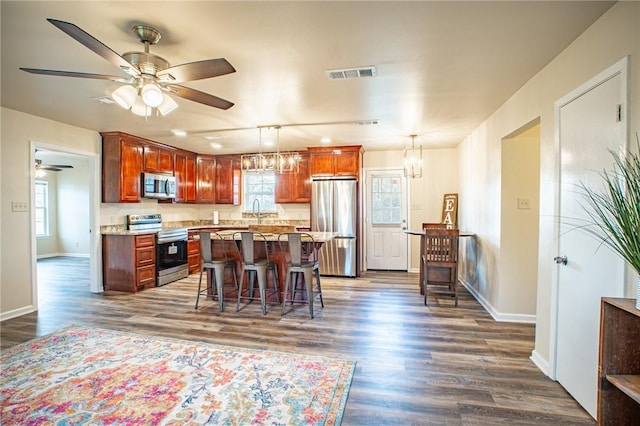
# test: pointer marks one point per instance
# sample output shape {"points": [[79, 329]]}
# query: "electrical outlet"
{"points": [[524, 204], [19, 206]]}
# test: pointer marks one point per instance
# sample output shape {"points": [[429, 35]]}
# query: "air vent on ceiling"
{"points": [[351, 73], [367, 122]]}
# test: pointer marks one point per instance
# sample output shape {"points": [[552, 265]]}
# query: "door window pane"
{"points": [[386, 205]]}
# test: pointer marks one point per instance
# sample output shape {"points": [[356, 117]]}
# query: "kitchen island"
{"points": [[278, 251]]}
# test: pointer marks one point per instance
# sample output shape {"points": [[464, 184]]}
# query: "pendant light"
{"points": [[413, 160]]}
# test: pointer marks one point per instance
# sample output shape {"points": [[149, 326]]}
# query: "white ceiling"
{"points": [[442, 67]]}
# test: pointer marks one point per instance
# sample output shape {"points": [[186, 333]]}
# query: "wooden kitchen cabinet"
{"points": [[295, 187], [129, 262], [227, 180], [193, 252], [619, 363], [206, 166], [158, 159], [121, 168], [186, 176], [335, 161]]}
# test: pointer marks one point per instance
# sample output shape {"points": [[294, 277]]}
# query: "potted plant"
{"points": [[614, 212]]}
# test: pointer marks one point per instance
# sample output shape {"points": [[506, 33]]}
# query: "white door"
{"points": [[386, 220], [589, 123]]}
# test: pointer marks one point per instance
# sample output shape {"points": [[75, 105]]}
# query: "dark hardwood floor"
{"points": [[435, 365]]}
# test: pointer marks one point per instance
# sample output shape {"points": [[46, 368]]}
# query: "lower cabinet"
{"points": [[619, 363], [193, 252], [129, 262]]}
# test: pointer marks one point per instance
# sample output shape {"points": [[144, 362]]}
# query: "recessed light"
{"points": [[215, 145], [325, 139], [178, 132]]}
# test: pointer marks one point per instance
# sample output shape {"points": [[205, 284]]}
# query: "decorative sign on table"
{"points": [[450, 210]]}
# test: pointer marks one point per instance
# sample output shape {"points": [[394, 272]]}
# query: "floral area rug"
{"points": [[87, 376]]}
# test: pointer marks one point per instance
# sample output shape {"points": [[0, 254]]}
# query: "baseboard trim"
{"points": [[16, 313], [498, 316], [540, 362], [48, 255]]}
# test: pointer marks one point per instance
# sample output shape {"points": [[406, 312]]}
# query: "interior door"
{"points": [[386, 220], [589, 123]]}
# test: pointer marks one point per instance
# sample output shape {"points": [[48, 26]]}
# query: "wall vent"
{"points": [[351, 73], [366, 122]]}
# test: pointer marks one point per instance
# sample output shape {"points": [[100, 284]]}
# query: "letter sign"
{"points": [[450, 210]]}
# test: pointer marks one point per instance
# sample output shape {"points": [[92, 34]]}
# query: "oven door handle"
{"points": [[171, 240]]}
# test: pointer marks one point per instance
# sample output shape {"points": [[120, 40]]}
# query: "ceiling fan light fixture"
{"points": [[167, 105], [140, 108], [125, 96], [152, 95]]}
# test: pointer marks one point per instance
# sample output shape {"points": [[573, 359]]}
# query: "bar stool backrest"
{"points": [[247, 239], [207, 240], [296, 247]]}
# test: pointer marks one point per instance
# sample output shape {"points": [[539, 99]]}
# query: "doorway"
{"points": [[588, 124], [386, 207], [74, 211]]}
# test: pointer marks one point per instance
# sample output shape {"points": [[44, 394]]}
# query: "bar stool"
{"points": [[218, 263], [303, 258], [256, 266]]}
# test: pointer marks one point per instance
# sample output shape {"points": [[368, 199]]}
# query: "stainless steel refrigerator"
{"points": [[333, 209]]}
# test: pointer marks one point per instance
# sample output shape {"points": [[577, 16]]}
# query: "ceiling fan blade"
{"points": [[196, 71], [77, 74], [48, 168], [96, 45], [200, 97]]}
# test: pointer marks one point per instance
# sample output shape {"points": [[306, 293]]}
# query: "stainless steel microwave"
{"points": [[158, 186]]}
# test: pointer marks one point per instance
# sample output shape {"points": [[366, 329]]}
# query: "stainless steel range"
{"points": [[171, 247]]}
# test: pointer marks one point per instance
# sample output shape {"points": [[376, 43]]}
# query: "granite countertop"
{"points": [[121, 229]]}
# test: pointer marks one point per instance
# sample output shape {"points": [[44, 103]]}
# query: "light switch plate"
{"points": [[19, 206], [524, 204]]}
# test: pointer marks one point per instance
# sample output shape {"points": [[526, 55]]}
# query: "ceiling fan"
{"points": [[51, 167], [149, 75]]}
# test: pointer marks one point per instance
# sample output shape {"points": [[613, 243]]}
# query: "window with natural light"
{"points": [[261, 187], [42, 208]]}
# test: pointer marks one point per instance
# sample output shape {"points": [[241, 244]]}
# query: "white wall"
{"points": [[17, 133], [615, 35], [518, 266]]}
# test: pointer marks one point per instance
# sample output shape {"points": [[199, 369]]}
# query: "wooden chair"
{"points": [[440, 262], [215, 259], [256, 262], [303, 257]]}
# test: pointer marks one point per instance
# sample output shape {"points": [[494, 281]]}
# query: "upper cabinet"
{"points": [[158, 159], [335, 161], [206, 166], [121, 168], [186, 176], [227, 179], [295, 187]]}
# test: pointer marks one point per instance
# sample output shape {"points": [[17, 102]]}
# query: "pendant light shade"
{"points": [[125, 96], [167, 105], [140, 108], [151, 95]]}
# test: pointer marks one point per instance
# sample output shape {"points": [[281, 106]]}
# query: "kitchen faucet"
{"points": [[253, 209]]}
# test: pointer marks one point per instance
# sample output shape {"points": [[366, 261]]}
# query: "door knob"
{"points": [[560, 259]]}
